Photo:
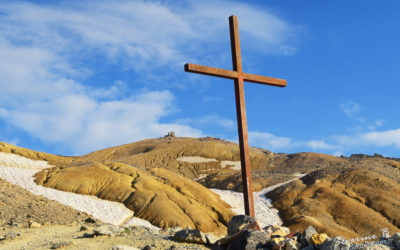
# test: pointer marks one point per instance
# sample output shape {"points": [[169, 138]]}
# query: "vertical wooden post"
{"points": [[241, 118]]}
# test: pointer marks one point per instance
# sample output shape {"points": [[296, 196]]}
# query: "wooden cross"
{"points": [[239, 76]]}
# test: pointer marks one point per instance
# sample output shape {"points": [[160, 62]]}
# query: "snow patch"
{"points": [[200, 176], [195, 159], [265, 214], [298, 175], [17, 161], [135, 221], [235, 165], [19, 170]]}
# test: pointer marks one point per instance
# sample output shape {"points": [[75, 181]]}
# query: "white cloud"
{"points": [[350, 108], [55, 109], [48, 51], [382, 138], [376, 124], [361, 141], [84, 124], [336, 145], [153, 32], [319, 144], [270, 141]]}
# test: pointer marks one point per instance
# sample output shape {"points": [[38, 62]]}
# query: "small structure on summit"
{"points": [[170, 134], [239, 76]]}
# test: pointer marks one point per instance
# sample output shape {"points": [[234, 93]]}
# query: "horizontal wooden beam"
{"points": [[210, 71], [264, 80], [230, 74]]}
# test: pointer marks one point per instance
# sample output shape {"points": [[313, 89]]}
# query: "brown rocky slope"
{"points": [[352, 202], [162, 197], [349, 196]]}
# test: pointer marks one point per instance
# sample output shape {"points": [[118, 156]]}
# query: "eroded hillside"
{"points": [[348, 196], [351, 201]]}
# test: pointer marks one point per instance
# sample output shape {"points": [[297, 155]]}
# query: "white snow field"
{"points": [[265, 214], [19, 170], [235, 165]]}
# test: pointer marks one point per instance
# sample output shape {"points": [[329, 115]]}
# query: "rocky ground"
{"points": [[244, 232], [28, 221], [19, 207], [89, 236]]}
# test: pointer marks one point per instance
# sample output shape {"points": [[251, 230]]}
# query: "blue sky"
{"points": [[77, 76]]}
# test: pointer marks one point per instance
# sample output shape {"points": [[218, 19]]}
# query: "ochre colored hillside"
{"points": [[36, 155], [349, 196], [351, 203], [162, 197], [267, 168]]}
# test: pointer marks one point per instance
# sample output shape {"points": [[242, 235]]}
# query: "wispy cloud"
{"points": [[354, 143], [285, 144], [141, 33], [336, 144], [382, 138], [376, 124], [51, 52], [84, 124], [319, 145], [350, 108], [270, 141]]}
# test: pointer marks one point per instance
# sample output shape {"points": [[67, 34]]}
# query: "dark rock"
{"points": [[359, 156], [237, 222], [396, 240], [148, 247], [221, 244], [248, 239], [378, 156], [308, 248], [170, 134], [191, 236], [278, 246], [397, 244], [87, 235], [90, 220]]}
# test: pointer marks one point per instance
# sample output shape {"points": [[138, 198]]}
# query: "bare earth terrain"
{"points": [[159, 180], [62, 224]]}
